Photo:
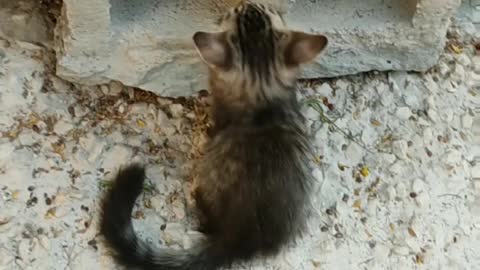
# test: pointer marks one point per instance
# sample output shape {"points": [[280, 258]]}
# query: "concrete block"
{"points": [[148, 43]]}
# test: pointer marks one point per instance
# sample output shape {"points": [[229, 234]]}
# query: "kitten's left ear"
{"points": [[303, 48], [214, 49]]}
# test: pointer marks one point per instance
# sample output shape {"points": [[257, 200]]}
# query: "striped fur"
{"points": [[252, 186]]}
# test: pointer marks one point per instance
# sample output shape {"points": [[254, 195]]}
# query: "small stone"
{"points": [[44, 242], [433, 115], [176, 110], [354, 153], [104, 89], [427, 135], [402, 251], [178, 209], [115, 88], [443, 69], [422, 200], [62, 127], [174, 233], [418, 186], [447, 115], [464, 60], [453, 157], [24, 248], [467, 121], [324, 90], [458, 75], [5, 258], [403, 113], [311, 114], [391, 192], [399, 148], [317, 174], [476, 185], [401, 190], [115, 157]]}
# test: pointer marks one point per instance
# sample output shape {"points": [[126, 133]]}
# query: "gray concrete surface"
{"points": [[148, 43]]}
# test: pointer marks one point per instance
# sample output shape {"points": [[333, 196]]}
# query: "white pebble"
{"points": [[467, 121], [62, 127], [5, 258], [443, 68], [433, 115], [422, 199], [422, 122], [117, 156], [459, 73], [399, 148], [176, 110], [427, 135], [24, 249], [44, 242], [104, 89], [115, 88], [464, 60], [447, 115], [401, 190], [476, 185], [418, 186], [178, 209], [391, 193], [388, 158], [354, 153], [317, 174], [324, 90], [403, 113], [453, 157], [174, 233], [476, 171], [402, 251], [381, 253]]}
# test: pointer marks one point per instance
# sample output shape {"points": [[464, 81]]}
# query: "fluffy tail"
{"points": [[116, 226]]}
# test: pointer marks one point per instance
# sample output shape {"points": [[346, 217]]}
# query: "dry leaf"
{"points": [[392, 226], [357, 204], [364, 171], [412, 232], [419, 259], [51, 213], [140, 123], [375, 123], [15, 195], [456, 49]]}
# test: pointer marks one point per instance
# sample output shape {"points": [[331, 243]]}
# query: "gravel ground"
{"points": [[398, 175]]}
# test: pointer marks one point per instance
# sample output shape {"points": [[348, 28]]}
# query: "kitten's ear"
{"points": [[303, 48], [214, 49]]}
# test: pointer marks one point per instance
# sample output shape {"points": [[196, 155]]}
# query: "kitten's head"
{"points": [[255, 50]]}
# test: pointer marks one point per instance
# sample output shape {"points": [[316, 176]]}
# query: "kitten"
{"points": [[253, 183]]}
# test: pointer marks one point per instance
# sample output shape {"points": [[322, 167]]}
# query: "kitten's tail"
{"points": [[116, 226]]}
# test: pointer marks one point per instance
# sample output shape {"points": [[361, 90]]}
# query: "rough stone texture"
{"points": [[21, 20], [148, 43]]}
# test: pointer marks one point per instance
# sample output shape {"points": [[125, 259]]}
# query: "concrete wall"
{"points": [[148, 43]]}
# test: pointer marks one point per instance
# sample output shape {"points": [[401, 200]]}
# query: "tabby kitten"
{"points": [[252, 185]]}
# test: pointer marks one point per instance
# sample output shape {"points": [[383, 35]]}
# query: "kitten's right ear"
{"points": [[303, 48], [214, 49]]}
